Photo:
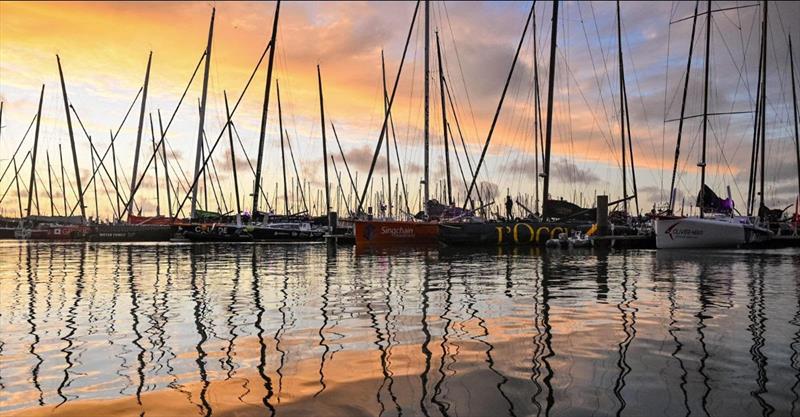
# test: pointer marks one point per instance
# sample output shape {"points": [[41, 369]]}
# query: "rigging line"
{"points": [[461, 69], [163, 134], [221, 133], [249, 163], [461, 136], [16, 173], [219, 184], [605, 57], [639, 90], [108, 148], [500, 106], [391, 101], [14, 155], [100, 164], [594, 66], [664, 115], [713, 11], [344, 159], [291, 154]]}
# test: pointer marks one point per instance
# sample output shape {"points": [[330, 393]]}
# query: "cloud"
{"points": [[563, 168]]}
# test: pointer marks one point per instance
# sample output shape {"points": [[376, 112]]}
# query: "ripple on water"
{"points": [[201, 329]]}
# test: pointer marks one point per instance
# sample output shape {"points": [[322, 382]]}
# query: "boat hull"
{"points": [[395, 232], [526, 233], [690, 232], [131, 233]]}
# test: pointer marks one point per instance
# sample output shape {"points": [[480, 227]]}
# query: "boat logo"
{"points": [[672, 231], [398, 232]]}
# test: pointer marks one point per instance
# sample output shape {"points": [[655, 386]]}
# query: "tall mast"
{"points": [[763, 111], [444, 124], [426, 189], [155, 166], [166, 167], [537, 119], [204, 96], [35, 147], [139, 133], [622, 112], [702, 163], [751, 184], [683, 110], [283, 154], [63, 180], [50, 185], [324, 150], [94, 188], [794, 105], [233, 159], [116, 177], [264, 111], [549, 127], [386, 127], [71, 139]]}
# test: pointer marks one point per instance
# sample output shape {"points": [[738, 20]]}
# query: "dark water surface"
{"points": [[296, 330]]}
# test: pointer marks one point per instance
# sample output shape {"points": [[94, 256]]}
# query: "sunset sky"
{"points": [[104, 48]]}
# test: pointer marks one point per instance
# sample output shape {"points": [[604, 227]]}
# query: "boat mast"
{"points": [[444, 124], [116, 178], [233, 159], [702, 163], [549, 126], [264, 112], [751, 185], [94, 188], [50, 185], [16, 182], [283, 153], [139, 133], [166, 167], [537, 119], [324, 151], [622, 112], [426, 180], [763, 112], [794, 105], [35, 146], [155, 166], [388, 145], [63, 182], [204, 96], [71, 139], [683, 110]]}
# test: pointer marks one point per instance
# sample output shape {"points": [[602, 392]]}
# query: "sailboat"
{"points": [[418, 230], [716, 226]]}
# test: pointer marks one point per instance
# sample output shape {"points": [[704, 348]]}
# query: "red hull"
{"points": [[390, 232]]}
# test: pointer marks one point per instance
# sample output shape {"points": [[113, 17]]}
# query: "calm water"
{"points": [[296, 330]]}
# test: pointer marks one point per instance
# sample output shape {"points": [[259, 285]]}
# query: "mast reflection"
{"points": [[262, 351]]}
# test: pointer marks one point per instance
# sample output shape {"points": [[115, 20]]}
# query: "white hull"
{"points": [[694, 232]]}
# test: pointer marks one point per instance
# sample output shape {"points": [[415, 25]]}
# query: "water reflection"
{"points": [[305, 330]]}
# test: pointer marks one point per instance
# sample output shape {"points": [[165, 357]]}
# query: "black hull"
{"points": [[131, 233], [277, 235], [7, 232], [525, 233]]}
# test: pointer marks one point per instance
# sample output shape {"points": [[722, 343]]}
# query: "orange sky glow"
{"points": [[104, 46]]}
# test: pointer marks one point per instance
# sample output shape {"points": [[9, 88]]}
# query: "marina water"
{"points": [[296, 330]]}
